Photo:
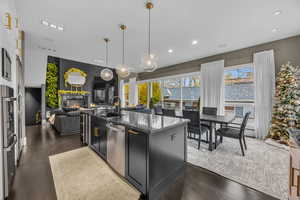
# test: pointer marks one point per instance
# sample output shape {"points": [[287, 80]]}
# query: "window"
{"points": [[191, 91], [126, 94], [239, 92], [157, 97], [172, 93], [143, 93]]}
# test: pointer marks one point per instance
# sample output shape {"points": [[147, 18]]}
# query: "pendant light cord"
{"points": [[149, 37], [123, 56], [106, 54]]}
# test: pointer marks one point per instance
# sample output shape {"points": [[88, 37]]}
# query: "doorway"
{"points": [[33, 102]]}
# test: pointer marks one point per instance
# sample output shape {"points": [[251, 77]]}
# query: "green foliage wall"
{"points": [[52, 85]]}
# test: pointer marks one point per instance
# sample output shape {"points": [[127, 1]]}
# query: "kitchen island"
{"points": [[148, 150]]}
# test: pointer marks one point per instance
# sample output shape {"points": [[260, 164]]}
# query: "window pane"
{"points": [[191, 91], [126, 94], [143, 93], [239, 93], [239, 84], [172, 93], [156, 93]]}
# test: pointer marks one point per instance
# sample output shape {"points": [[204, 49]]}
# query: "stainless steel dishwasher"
{"points": [[116, 147]]}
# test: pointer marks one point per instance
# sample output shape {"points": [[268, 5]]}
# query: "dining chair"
{"points": [[194, 125], [169, 112], [208, 111], [158, 110], [235, 133]]}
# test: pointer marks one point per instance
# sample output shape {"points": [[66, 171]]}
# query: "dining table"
{"points": [[213, 120]]}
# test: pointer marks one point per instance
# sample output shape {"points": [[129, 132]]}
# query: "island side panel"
{"points": [[136, 159], [167, 154]]}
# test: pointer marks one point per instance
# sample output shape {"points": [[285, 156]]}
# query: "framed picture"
{"points": [[6, 65]]}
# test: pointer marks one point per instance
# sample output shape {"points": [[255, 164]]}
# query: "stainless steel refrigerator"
{"points": [[8, 136]]}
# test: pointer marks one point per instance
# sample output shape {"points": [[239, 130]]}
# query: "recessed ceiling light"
{"points": [[53, 26], [195, 42], [45, 23], [277, 12], [170, 50], [60, 28], [274, 30]]}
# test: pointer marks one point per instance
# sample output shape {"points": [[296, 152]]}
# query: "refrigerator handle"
{"points": [[8, 99]]}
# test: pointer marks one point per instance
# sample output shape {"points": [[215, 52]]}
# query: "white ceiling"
{"points": [[175, 24]]}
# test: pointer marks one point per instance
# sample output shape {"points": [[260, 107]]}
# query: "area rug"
{"points": [[264, 167], [81, 175]]}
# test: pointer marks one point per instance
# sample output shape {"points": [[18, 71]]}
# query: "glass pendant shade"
{"points": [[149, 63], [123, 70], [106, 74]]}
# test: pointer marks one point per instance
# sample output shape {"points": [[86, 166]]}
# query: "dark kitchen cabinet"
{"points": [[136, 171], [99, 136]]}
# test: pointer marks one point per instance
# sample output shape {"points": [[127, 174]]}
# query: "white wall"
{"points": [[8, 41], [36, 64]]}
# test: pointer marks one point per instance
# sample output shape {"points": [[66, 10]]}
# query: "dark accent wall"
{"points": [[92, 71], [285, 50]]}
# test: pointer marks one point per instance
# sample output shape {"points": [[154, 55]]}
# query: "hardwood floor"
{"points": [[33, 180]]}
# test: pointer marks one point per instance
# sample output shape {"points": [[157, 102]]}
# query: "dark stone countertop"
{"points": [[295, 136], [146, 123]]}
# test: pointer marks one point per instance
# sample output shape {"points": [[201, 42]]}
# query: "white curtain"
{"points": [[212, 85], [264, 78], [122, 93], [133, 92]]}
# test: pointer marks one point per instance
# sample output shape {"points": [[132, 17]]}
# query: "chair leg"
{"points": [[242, 148], [221, 139], [199, 141], [216, 139], [244, 142], [206, 136]]}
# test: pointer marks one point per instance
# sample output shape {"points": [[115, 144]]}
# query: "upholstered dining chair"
{"points": [[235, 133], [169, 112], [195, 130]]}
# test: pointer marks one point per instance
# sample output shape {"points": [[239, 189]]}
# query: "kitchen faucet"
{"points": [[118, 104]]}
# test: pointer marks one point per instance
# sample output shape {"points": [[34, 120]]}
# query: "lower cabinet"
{"points": [[99, 136], [294, 174], [136, 167]]}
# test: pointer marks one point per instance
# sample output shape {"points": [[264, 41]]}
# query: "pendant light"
{"points": [[149, 61], [122, 69], [106, 74]]}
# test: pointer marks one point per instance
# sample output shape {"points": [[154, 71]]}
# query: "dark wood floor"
{"points": [[33, 180]]}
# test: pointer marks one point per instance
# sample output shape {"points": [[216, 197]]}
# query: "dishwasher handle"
{"points": [[111, 127]]}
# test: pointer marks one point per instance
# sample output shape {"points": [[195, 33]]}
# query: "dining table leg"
{"points": [[211, 132]]}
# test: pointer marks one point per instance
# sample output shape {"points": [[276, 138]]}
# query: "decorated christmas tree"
{"points": [[286, 109]]}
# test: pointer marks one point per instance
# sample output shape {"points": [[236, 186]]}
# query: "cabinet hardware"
{"points": [[133, 132], [96, 132]]}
